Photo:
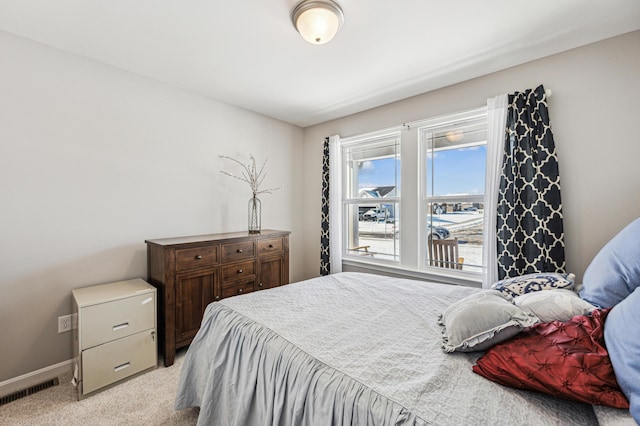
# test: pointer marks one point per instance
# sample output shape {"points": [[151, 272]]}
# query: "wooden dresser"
{"points": [[191, 272]]}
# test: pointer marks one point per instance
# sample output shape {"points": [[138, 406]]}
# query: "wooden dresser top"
{"points": [[265, 233]]}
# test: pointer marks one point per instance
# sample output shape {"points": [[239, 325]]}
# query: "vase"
{"points": [[255, 213]]}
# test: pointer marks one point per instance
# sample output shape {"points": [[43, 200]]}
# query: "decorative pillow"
{"points": [[481, 320], [554, 305], [622, 336], [524, 284], [564, 359], [615, 271]]}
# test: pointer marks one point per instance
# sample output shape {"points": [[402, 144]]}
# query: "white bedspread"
{"points": [[348, 349]]}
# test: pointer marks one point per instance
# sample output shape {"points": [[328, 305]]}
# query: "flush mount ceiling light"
{"points": [[317, 21]]}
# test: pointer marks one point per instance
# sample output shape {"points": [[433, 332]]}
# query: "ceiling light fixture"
{"points": [[317, 21]]}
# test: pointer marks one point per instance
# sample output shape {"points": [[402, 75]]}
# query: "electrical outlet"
{"points": [[65, 323]]}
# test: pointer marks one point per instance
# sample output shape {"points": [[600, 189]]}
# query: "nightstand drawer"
{"points": [[233, 252], [269, 246], [238, 271], [113, 361], [116, 319], [237, 288], [197, 257]]}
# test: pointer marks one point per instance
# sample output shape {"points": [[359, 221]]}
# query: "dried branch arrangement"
{"points": [[251, 175]]}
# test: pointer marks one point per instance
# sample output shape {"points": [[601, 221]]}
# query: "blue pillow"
{"points": [[622, 338], [615, 271]]}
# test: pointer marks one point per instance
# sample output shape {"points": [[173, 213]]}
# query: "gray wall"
{"points": [[93, 161], [593, 110]]}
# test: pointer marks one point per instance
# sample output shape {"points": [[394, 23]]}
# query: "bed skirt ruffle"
{"points": [[251, 375]]}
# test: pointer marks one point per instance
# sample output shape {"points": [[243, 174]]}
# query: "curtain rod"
{"points": [[407, 126]]}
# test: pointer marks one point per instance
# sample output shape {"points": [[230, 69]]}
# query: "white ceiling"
{"points": [[247, 53]]}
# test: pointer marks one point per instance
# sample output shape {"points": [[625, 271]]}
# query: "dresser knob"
{"points": [[270, 245], [239, 290], [239, 271], [239, 250], [198, 257], [217, 297], [260, 285]]}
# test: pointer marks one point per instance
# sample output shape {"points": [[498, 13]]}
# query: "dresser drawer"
{"points": [[113, 361], [269, 246], [237, 251], [197, 257], [116, 319], [238, 271], [237, 288]]}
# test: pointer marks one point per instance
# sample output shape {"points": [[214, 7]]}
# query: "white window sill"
{"points": [[444, 276]]}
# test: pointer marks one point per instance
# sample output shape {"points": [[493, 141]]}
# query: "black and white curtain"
{"points": [[325, 249], [530, 235], [331, 226]]}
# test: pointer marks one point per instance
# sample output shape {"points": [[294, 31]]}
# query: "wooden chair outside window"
{"points": [[363, 250], [444, 254]]}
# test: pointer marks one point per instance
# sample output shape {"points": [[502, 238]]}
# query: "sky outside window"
{"points": [[379, 172], [456, 171]]}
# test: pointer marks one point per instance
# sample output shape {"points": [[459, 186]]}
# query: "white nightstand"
{"points": [[116, 335]]}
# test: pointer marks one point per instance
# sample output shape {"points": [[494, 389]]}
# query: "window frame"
{"points": [[412, 261], [349, 192], [430, 126]]}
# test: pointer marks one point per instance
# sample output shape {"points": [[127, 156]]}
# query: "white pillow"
{"points": [[554, 305], [481, 320]]}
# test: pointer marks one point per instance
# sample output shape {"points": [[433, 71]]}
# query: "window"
{"points": [[454, 165], [442, 199], [372, 197]]}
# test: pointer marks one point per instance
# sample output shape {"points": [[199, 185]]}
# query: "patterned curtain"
{"points": [[529, 224], [325, 249]]}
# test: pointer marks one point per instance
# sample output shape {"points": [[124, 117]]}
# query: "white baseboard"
{"points": [[35, 377]]}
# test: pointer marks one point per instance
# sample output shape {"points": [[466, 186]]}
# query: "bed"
{"points": [[349, 349]]}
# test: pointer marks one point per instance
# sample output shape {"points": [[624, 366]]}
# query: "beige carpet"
{"points": [[143, 400]]}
